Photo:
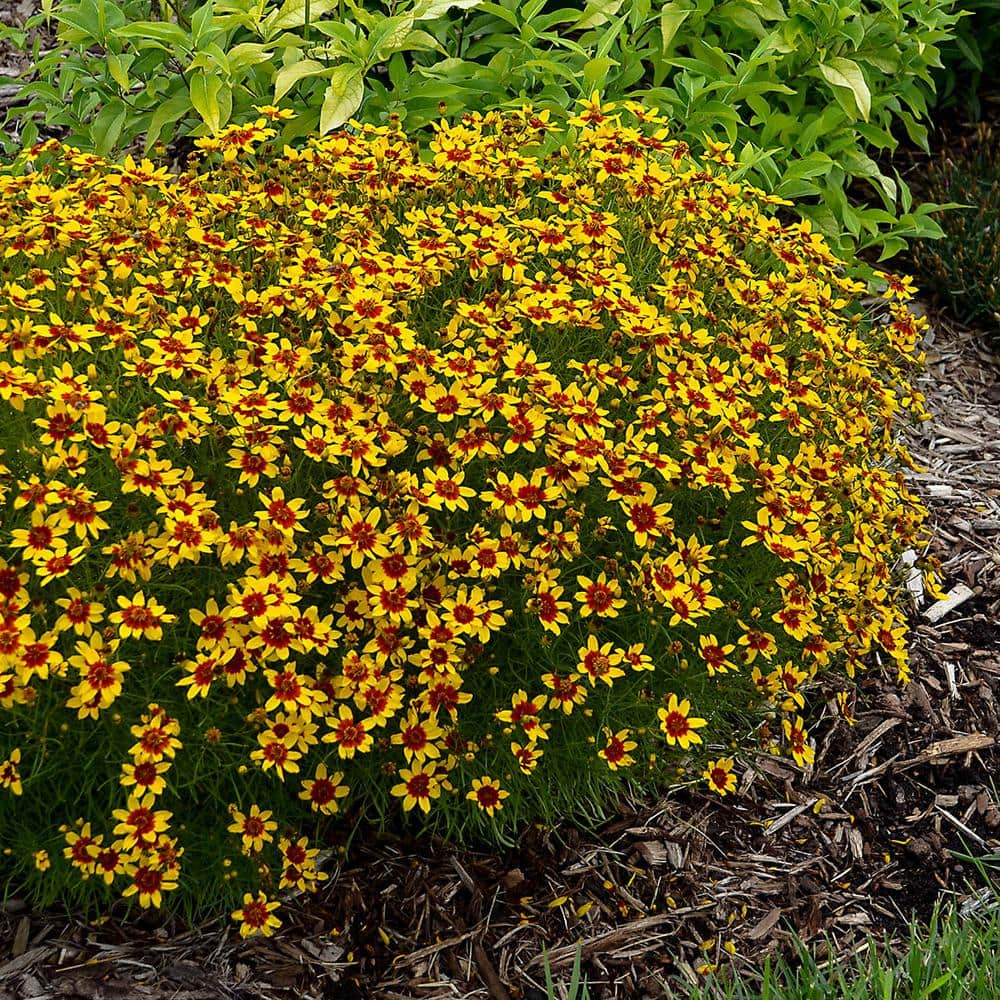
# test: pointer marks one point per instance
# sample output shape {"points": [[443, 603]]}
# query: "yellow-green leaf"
{"points": [[596, 13], [204, 92], [292, 14], [343, 97], [288, 76], [671, 18], [118, 68], [846, 73]]}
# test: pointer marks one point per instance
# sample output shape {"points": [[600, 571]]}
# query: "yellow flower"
{"points": [[255, 828], [676, 724], [257, 915], [323, 791], [9, 776], [149, 881], [616, 752], [798, 738], [487, 794], [140, 617], [42, 862], [418, 787], [719, 775], [139, 823], [145, 775], [527, 756], [599, 597]]}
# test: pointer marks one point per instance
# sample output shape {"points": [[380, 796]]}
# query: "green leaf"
{"points": [[84, 21], [968, 47], [343, 97], [158, 31], [107, 126], [420, 40], [847, 74], [596, 13], [292, 14], [891, 246], [288, 76], [770, 10], [427, 10], [205, 92], [248, 54], [389, 36], [671, 18], [349, 42], [201, 21], [118, 66], [165, 114], [498, 10], [595, 69]]}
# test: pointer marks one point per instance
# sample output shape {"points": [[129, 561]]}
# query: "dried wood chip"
{"points": [[21, 937], [605, 942], [654, 852], [957, 596], [25, 961], [764, 927], [787, 818]]}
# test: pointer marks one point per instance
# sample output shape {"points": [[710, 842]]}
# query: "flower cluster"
{"points": [[402, 476]]}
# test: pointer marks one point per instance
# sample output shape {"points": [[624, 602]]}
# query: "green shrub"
{"points": [[807, 93], [963, 268], [970, 57], [427, 479]]}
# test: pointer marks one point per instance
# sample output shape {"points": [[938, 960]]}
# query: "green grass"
{"points": [[952, 957]]}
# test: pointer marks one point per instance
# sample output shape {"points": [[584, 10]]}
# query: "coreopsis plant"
{"points": [[453, 486]]}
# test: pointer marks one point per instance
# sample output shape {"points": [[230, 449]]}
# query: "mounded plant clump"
{"points": [[452, 484]]}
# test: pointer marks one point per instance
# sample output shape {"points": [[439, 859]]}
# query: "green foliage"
{"points": [[129, 74], [963, 268], [969, 56], [807, 92]]}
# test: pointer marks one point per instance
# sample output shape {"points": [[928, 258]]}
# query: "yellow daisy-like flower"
{"points": [[418, 787], [719, 775], [616, 752], [10, 778], [487, 794], [255, 828], [257, 915], [526, 756], [678, 727], [140, 617], [323, 791], [149, 881], [599, 597], [798, 743]]}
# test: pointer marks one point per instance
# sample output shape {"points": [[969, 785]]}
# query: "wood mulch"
{"points": [[855, 847]]}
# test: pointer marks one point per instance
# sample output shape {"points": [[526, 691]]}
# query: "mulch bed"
{"points": [[856, 847]]}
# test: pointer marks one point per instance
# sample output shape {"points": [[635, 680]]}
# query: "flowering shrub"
{"points": [[454, 482]]}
